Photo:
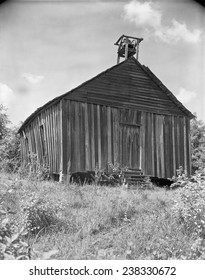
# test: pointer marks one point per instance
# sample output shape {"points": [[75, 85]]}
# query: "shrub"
{"points": [[198, 249], [197, 130], [181, 179], [4, 121], [14, 239], [190, 211], [39, 215], [12, 245], [10, 157], [35, 170], [113, 177]]}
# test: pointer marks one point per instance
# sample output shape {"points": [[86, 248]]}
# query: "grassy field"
{"points": [[97, 222]]}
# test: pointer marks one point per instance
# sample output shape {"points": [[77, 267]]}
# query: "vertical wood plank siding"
{"points": [[92, 138], [49, 121], [90, 135], [68, 138], [115, 134], [188, 146], [97, 136]]}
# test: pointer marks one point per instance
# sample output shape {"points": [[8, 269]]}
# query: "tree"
{"points": [[197, 130], [9, 143], [10, 155], [4, 121]]}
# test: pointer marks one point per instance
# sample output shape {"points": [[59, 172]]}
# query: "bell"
{"points": [[131, 49]]}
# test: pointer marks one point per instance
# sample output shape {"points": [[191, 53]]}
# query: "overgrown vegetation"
{"points": [[4, 121], [10, 157], [34, 170], [44, 219], [99, 222], [18, 223], [197, 144]]}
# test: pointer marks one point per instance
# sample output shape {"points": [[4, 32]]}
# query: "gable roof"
{"points": [[168, 92], [128, 83]]}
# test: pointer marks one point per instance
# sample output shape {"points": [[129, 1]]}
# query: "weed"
{"points": [[12, 245], [35, 170], [39, 214], [91, 221], [191, 209]]}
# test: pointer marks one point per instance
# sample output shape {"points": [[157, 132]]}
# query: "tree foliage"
{"points": [[10, 154], [197, 144], [4, 121], [9, 143]]}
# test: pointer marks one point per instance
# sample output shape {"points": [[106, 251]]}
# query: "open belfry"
{"points": [[127, 46]]}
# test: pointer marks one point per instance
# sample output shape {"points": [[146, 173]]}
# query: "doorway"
{"points": [[130, 145]]}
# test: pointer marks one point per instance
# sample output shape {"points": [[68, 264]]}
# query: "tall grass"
{"points": [[98, 222]]}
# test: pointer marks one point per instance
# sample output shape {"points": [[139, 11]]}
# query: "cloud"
{"points": [[185, 96], [149, 17], [6, 95], [142, 14], [178, 31], [33, 79]]}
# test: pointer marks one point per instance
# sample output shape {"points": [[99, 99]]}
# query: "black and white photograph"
{"points": [[102, 133]]}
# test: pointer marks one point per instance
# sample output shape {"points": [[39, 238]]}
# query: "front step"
{"points": [[135, 178], [133, 171]]}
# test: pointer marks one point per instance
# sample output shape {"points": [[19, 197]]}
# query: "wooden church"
{"points": [[124, 115]]}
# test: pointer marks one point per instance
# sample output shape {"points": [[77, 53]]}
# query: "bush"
{"points": [[39, 215], [4, 121], [191, 208], [15, 241], [197, 130], [190, 211], [35, 170], [10, 155], [12, 245], [181, 179]]}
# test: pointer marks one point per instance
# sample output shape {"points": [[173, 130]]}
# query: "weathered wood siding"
{"points": [[90, 135], [127, 85], [96, 135], [43, 138], [123, 115]]}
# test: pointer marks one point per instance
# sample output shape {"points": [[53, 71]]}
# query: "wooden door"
{"points": [[130, 145]]}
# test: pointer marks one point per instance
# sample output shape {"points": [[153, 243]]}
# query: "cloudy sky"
{"points": [[49, 47]]}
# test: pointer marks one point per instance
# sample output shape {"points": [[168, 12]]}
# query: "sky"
{"points": [[48, 47]]}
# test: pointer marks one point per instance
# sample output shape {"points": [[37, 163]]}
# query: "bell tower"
{"points": [[127, 46]]}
